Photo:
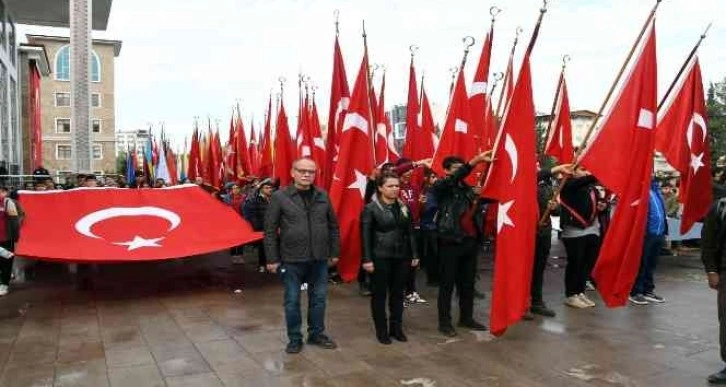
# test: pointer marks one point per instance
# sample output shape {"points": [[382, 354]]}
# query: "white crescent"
{"points": [[84, 225], [511, 149], [696, 120]]}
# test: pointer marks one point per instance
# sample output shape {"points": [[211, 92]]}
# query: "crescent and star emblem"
{"points": [[83, 226], [696, 159], [511, 149]]}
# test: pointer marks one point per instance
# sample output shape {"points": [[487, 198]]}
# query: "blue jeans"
{"points": [[315, 274], [651, 250]]}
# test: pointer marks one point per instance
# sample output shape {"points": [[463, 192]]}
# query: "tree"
{"points": [[716, 108], [121, 163]]}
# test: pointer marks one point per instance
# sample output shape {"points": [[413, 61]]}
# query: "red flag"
{"points": [[243, 160], [559, 142], [339, 101], [284, 148], [512, 181], [428, 141], [254, 152], [414, 137], [34, 112], [682, 137], [102, 225], [393, 155], [231, 157], [304, 134], [350, 178], [381, 137], [479, 100], [266, 159], [319, 150], [171, 165], [195, 161], [621, 156], [456, 138], [217, 161]]}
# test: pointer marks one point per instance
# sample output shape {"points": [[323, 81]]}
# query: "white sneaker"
{"points": [[304, 287], [415, 298], [4, 290], [586, 300], [576, 302]]}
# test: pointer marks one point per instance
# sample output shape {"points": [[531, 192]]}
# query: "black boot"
{"points": [[382, 332], [718, 377], [396, 331]]}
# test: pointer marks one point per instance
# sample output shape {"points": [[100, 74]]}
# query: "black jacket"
{"points": [[713, 236], [545, 193], [578, 198], [387, 232], [454, 197], [294, 233], [254, 209]]}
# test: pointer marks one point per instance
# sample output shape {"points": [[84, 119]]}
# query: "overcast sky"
{"points": [[184, 58]]}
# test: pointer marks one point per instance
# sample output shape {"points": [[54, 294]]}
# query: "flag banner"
{"points": [[559, 142], [682, 137], [105, 225]]}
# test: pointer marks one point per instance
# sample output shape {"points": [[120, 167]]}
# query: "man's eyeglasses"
{"points": [[305, 171]]}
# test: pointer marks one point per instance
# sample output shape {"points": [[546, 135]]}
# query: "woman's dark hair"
{"points": [[381, 180], [451, 160]]}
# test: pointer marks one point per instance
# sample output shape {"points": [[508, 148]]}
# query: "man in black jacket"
{"points": [[457, 241], [713, 236], [301, 236]]}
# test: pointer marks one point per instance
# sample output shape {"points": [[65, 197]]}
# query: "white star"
{"points": [[696, 162], [503, 216], [360, 183], [140, 242]]}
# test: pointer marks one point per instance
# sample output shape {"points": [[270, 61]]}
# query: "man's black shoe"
{"points": [[447, 331], [364, 290], [542, 310], [473, 325], [384, 339], [718, 378], [322, 341], [294, 347], [399, 335]]}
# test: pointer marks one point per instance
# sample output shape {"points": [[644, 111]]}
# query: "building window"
{"points": [[96, 126], [97, 152], [62, 99], [63, 125], [95, 67], [399, 131], [96, 100], [63, 65], [63, 152]]}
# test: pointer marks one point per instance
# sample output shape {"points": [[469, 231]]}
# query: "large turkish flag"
{"points": [[115, 224]]}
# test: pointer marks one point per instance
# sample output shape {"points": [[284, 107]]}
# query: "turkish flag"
{"points": [[266, 159], [355, 160], [457, 138], [621, 156], [102, 225], [385, 150], [243, 162], [682, 137], [339, 101], [480, 100], [559, 142], [512, 181], [427, 141], [304, 135], [253, 152], [414, 146], [284, 149], [319, 149]]}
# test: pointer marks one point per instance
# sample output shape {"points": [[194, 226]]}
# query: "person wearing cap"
{"points": [[253, 210]]}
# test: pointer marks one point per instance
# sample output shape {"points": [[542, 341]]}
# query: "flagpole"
{"points": [[685, 64], [453, 70], [506, 73], [565, 59], [617, 79]]}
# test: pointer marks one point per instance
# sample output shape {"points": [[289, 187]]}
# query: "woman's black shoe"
{"points": [[400, 336], [384, 339]]}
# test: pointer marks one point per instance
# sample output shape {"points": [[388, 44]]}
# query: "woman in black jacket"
{"points": [[389, 250]]}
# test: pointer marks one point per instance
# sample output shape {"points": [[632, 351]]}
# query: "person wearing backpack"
{"points": [[580, 234], [10, 219]]}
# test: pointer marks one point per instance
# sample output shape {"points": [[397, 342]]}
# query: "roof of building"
{"points": [[573, 114], [55, 13], [64, 39], [37, 53]]}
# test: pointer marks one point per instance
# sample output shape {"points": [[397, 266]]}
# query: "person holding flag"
{"points": [[457, 241]]}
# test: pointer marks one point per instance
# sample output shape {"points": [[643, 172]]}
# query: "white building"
{"points": [[130, 139]]}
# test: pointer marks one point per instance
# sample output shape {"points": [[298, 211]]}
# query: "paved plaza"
{"points": [[182, 323]]}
